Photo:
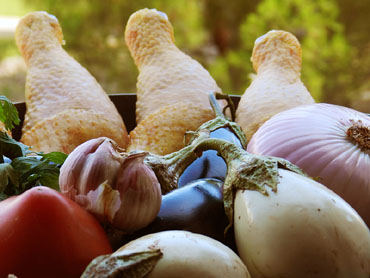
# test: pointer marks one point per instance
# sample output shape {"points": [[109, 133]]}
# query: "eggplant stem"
{"points": [[220, 121], [245, 171], [215, 105], [213, 97], [168, 168]]}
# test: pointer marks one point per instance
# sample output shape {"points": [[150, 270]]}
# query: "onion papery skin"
{"points": [[314, 137]]}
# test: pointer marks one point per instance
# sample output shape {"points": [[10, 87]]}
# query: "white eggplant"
{"points": [[170, 254], [285, 223], [301, 230]]}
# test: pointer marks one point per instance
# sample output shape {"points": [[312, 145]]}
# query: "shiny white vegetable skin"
{"points": [[187, 254], [302, 230]]}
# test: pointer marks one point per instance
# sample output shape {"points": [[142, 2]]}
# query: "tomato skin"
{"points": [[44, 234]]}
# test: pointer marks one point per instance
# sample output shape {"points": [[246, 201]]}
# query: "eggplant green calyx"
{"points": [[135, 265], [168, 168], [220, 121], [246, 171]]}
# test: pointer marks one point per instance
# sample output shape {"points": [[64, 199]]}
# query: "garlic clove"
{"points": [[141, 194], [104, 202], [89, 165]]}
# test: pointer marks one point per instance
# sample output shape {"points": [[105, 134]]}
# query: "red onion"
{"points": [[329, 142]]}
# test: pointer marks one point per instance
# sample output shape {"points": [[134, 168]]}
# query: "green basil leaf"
{"points": [[35, 171], [11, 147], [7, 176], [55, 157], [8, 113]]}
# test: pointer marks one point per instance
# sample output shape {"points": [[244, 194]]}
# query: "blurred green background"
{"points": [[334, 35]]}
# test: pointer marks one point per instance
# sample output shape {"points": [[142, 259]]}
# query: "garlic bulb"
{"points": [[118, 188], [139, 188]]}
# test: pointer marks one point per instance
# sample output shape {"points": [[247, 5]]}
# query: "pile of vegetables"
{"points": [[291, 202], [263, 216]]}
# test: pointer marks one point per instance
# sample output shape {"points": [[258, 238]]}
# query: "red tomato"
{"points": [[44, 234]]}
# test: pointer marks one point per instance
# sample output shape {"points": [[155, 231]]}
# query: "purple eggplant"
{"points": [[209, 164], [197, 207]]}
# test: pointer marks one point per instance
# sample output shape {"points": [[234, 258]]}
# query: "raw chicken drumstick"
{"points": [[166, 74], [65, 104], [162, 132], [277, 58]]}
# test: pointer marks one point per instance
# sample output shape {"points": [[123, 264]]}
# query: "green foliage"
{"points": [[326, 52], [186, 19], [25, 171], [8, 113], [13, 8], [7, 48]]}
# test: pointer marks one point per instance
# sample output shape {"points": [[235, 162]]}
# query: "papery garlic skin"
{"points": [[103, 202], [118, 188], [88, 166], [141, 194]]}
